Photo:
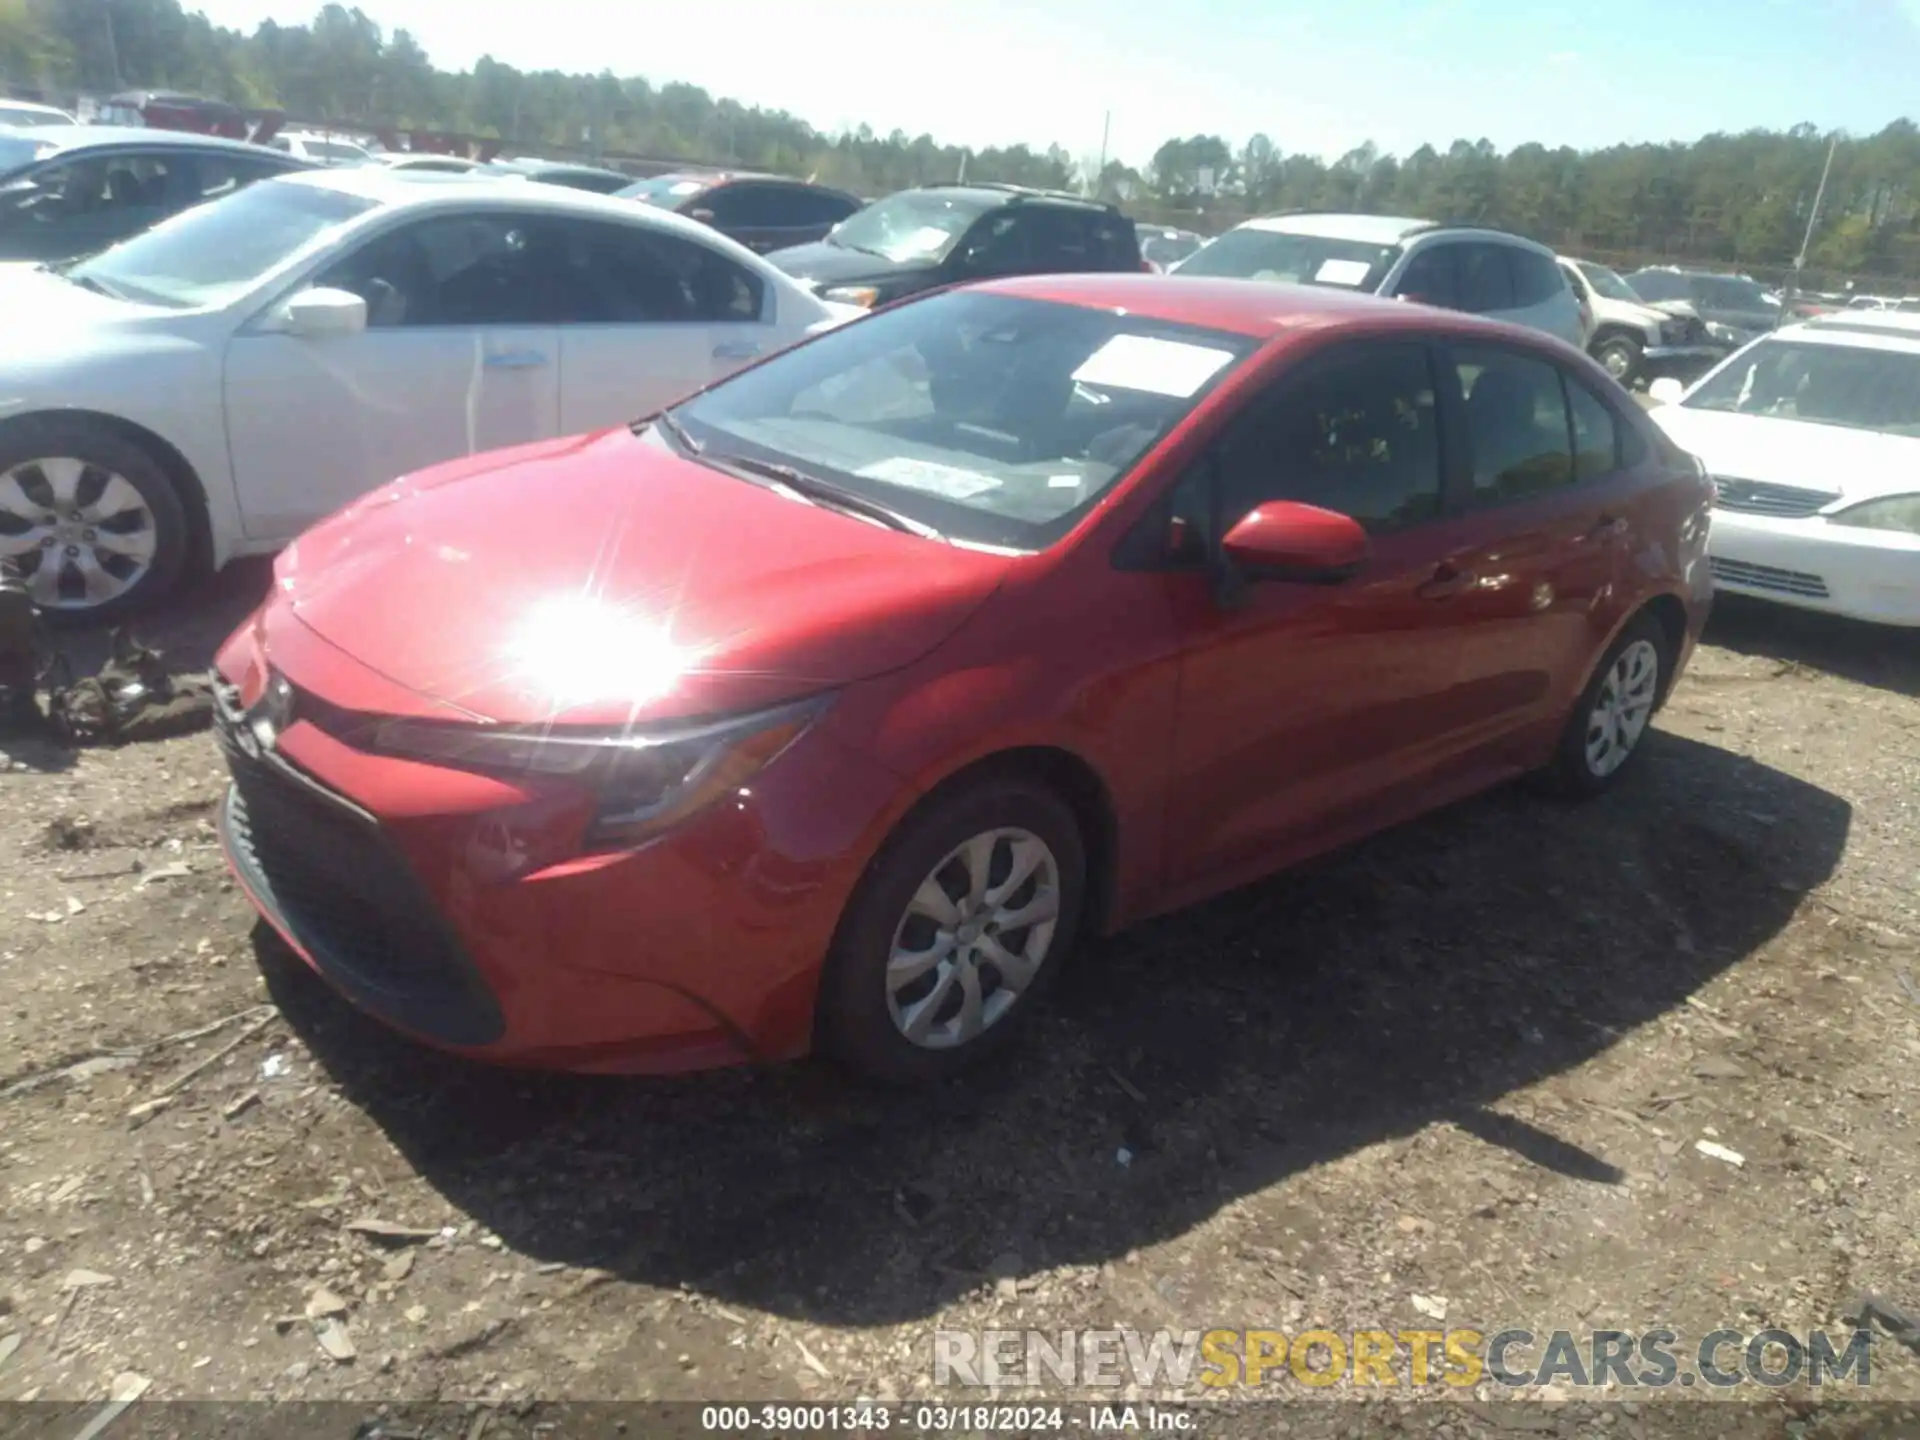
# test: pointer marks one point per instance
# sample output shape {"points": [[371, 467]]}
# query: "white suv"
{"points": [[1457, 267]]}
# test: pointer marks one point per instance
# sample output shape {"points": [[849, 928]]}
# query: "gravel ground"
{"points": [[1460, 1069]]}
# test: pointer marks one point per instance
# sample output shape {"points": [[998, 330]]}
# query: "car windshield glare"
{"points": [[214, 252], [1855, 386], [1609, 285], [20, 150], [667, 190], [997, 421], [1250, 253], [914, 225]]}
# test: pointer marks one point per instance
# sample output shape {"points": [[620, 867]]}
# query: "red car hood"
{"points": [[602, 580]]}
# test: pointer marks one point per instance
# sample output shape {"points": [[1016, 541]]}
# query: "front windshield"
{"points": [[997, 421], [210, 254], [913, 225], [1607, 284], [1855, 386], [663, 190], [1165, 249], [1253, 254]]}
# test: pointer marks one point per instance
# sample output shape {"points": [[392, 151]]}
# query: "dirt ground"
{"points": [[1468, 1061]]}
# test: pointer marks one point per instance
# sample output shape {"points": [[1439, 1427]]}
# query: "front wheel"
{"points": [[1620, 357], [1611, 719], [88, 520], [955, 934]]}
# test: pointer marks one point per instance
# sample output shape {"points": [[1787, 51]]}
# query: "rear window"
{"points": [[1112, 244], [1251, 254], [1536, 279]]}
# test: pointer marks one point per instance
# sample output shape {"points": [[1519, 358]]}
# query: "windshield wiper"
{"points": [[821, 492], [85, 282], [667, 421]]}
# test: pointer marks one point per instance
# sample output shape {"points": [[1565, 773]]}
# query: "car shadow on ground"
{"points": [[188, 629], [1414, 979], [1884, 656]]}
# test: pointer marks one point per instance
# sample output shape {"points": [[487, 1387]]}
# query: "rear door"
{"points": [[650, 317], [1540, 477]]}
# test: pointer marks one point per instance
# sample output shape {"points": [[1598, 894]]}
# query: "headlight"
{"points": [[865, 295], [1723, 332], [644, 782], [1899, 513]]}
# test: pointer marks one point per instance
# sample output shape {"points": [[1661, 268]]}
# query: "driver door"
{"points": [[460, 355]]}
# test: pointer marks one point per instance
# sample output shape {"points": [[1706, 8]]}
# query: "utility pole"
{"points": [[113, 47], [1806, 241], [1106, 130]]}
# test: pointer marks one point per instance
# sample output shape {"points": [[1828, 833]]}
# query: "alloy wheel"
{"points": [[77, 533], [1622, 707], [973, 939]]}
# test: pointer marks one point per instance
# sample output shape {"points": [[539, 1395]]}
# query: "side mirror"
{"points": [[1666, 391], [1301, 544], [321, 312]]}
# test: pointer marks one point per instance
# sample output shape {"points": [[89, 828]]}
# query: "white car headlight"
{"points": [[1899, 513], [645, 780]]}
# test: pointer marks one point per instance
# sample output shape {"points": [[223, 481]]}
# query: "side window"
{"points": [[1596, 447], [1574, 283], [997, 244], [631, 274], [1536, 279], [1058, 239], [454, 270], [1432, 277], [1486, 284], [746, 205], [1356, 434], [1114, 244], [217, 175], [820, 207], [1516, 425]]}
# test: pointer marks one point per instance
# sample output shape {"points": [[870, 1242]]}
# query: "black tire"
{"points": [[99, 446], [1621, 357], [854, 1021], [1573, 772]]}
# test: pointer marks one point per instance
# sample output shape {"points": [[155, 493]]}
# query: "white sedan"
{"points": [[213, 386], [1812, 436]]}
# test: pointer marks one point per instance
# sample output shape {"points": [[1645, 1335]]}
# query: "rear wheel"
{"points": [[956, 933], [1609, 724], [88, 520]]}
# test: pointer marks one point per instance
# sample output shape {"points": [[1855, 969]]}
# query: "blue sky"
{"points": [[1318, 77]]}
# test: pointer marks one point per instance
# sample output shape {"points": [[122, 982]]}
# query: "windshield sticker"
{"points": [[927, 237], [948, 481], [1157, 367], [1063, 482], [1341, 272]]}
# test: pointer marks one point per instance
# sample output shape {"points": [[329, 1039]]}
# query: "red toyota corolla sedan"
{"points": [[829, 707]]}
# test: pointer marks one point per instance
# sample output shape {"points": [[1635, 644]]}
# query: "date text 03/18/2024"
{"points": [[864, 1418]]}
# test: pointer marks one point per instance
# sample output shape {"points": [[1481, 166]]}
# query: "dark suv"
{"points": [[1734, 308], [939, 234], [762, 212]]}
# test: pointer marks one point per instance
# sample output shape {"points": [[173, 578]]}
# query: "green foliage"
{"points": [[1735, 200]]}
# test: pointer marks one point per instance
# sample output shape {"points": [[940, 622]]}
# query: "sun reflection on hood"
{"points": [[578, 649]]}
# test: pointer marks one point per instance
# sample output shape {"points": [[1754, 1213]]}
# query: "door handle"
{"points": [[516, 360], [1446, 581], [736, 350]]}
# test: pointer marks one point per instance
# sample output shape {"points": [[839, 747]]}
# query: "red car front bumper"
{"points": [[462, 909]]}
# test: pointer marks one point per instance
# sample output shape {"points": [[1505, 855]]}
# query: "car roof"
{"points": [[34, 105], [554, 167], [1335, 225], [988, 194], [1258, 309], [66, 138], [429, 189]]}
